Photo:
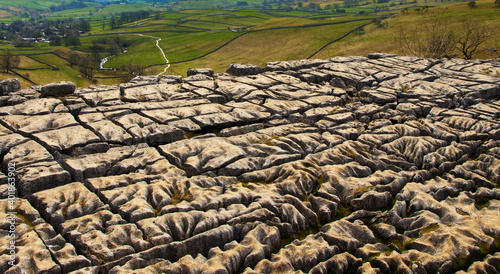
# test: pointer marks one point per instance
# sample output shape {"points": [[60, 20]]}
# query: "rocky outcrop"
{"points": [[8, 86], [240, 70], [374, 164], [57, 89]]}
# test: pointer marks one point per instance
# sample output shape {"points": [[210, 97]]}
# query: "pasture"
{"points": [[206, 37]]}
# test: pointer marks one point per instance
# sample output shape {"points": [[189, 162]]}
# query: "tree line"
{"points": [[129, 16]]}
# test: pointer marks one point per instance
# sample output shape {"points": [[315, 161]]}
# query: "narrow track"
{"points": [[161, 50]]}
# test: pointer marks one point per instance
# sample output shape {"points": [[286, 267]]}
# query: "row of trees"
{"points": [[129, 16], [437, 39], [66, 6], [112, 44]]}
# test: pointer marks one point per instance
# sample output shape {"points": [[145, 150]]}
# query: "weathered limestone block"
{"points": [[26, 153], [114, 243], [138, 159], [8, 86], [178, 93], [170, 79], [347, 236], [285, 107], [145, 130], [118, 160], [291, 178], [141, 94], [63, 253], [4, 131], [28, 124], [293, 65], [197, 77], [57, 89], [372, 200], [350, 130], [340, 263], [185, 124], [38, 246], [66, 202], [196, 156], [139, 201], [141, 81], [413, 149], [72, 229], [205, 71], [260, 81], [378, 96], [96, 165], [240, 69], [35, 107], [40, 176], [99, 97], [11, 100], [256, 245], [22, 241], [335, 119], [65, 138], [240, 130], [324, 100], [166, 115], [233, 91], [110, 132], [314, 249], [490, 264]]}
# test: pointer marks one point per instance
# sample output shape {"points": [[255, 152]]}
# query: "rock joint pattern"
{"points": [[378, 164]]}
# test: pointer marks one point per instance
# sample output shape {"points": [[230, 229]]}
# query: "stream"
{"points": [[105, 59]]}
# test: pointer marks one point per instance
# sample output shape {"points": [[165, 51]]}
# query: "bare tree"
{"points": [[73, 59], [132, 70], [9, 61], [88, 65], [470, 36], [432, 39]]}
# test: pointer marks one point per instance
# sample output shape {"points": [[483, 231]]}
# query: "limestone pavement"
{"points": [[374, 164]]}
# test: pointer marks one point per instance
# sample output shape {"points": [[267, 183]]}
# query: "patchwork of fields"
{"points": [[218, 37]]}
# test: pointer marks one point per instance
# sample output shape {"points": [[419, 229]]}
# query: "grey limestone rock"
{"points": [[24, 124], [240, 70], [41, 176], [205, 71], [66, 138], [35, 107], [57, 89], [27, 243], [377, 164], [8, 86]]}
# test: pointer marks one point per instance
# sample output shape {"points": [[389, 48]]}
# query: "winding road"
{"points": [[161, 50]]}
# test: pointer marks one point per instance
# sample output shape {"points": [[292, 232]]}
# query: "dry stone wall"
{"points": [[376, 164]]}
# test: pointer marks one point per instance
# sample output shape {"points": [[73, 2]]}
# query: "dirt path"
{"points": [[161, 50]]}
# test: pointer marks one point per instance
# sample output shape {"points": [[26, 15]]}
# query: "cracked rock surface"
{"points": [[377, 164]]}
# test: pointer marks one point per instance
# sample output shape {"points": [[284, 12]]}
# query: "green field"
{"points": [[30, 4], [386, 39], [202, 36]]}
